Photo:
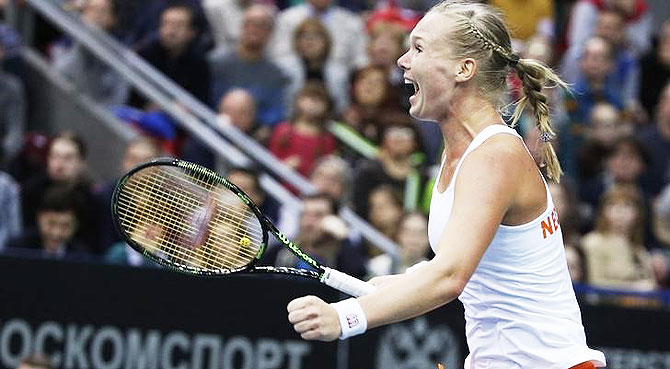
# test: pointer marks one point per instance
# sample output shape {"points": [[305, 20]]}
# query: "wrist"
{"points": [[351, 316]]}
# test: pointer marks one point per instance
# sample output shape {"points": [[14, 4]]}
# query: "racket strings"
{"points": [[179, 253], [167, 243], [197, 204], [163, 193]]}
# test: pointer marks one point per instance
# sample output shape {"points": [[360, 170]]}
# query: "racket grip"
{"points": [[346, 283]]}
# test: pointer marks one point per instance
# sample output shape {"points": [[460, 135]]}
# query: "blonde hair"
{"points": [[479, 32]]}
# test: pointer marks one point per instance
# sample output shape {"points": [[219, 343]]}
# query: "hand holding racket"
{"points": [[188, 218]]}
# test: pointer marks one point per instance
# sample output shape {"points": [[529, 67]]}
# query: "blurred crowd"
{"points": [[316, 83]]}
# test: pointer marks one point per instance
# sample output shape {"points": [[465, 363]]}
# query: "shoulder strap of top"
{"points": [[479, 139], [493, 130], [487, 133], [482, 136]]}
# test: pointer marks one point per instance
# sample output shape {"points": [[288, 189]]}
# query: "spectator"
{"points": [[655, 70], [12, 114], [605, 127], [412, 237], [565, 200], [303, 140], [225, 20], [247, 180], [140, 20], [10, 209], [385, 210], [625, 165], [312, 45], [593, 84], [116, 251], [576, 264], [611, 27], [661, 228], [657, 140], [594, 80], [140, 150], [322, 235], [345, 27], [615, 253], [332, 176], [237, 108], [247, 67], [175, 55], [374, 104], [638, 22], [387, 44], [396, 14], [90, 75], [661, 218], [57, 222], [66, 164], [394, 166]]}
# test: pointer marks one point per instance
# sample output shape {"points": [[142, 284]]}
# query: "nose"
{"points": [[404, 60]]}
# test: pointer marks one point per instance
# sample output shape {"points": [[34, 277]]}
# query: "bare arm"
{"points": [[485, 190]]}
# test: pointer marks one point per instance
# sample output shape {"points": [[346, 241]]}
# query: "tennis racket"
{"points": [[192, 220]]}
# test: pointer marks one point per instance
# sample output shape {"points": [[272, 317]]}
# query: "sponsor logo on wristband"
{"points": [[352, 320]]}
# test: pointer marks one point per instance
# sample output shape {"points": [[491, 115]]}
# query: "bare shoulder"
{"points": [[503, 167], [502, 156], [492, 168]]}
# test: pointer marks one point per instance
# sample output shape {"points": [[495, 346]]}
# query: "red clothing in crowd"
{"points": [[286, 142]]}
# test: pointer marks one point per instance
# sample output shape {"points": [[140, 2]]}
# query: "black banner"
{"points": [[97, 316]]}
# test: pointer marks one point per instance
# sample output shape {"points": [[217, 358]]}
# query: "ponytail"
{"points": [[535, 76], [482, 25]]}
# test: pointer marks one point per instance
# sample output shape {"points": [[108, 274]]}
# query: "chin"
{"points": [[420, 115]]}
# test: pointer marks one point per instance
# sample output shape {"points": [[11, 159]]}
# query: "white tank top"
{"points": [[520, 308]]}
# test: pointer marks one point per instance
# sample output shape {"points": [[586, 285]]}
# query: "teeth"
{"points": [[411, 82]]}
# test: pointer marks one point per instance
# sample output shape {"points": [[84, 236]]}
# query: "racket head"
{"points": [[188, 218]]}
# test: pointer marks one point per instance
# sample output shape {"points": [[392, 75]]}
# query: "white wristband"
{"points": [[352, 317]]}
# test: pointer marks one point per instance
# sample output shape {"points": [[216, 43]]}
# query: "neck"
{"points": [[249, 54], [466, 117], [175, 51], [307, 127], [314, 64]]}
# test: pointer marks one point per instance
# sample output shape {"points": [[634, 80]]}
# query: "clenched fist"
{"points": [[314, 319]]}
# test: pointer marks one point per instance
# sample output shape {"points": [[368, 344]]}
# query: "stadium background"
{"points": [[292, 100]]}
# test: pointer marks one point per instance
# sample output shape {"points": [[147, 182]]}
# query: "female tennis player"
{"points": [[493, 226]]}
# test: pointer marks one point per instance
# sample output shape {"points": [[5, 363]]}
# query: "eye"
{"points": [[418, 48]]}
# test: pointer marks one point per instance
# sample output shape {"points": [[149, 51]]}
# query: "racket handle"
{"points": [[346, 283]]}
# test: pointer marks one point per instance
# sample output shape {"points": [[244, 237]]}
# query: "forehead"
{"points": [[257, 16], [176, 13], [61, 145], [431, 27], [316, 205]]}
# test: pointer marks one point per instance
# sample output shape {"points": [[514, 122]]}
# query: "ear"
{"points": [[466, 69]]}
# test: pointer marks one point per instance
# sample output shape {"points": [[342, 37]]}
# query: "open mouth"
{"points": [[411, 86]]}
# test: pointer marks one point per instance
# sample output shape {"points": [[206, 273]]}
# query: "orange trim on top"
{"points": [[584, 365]]}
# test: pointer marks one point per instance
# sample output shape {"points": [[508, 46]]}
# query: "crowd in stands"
{"points": [[316, 83]]}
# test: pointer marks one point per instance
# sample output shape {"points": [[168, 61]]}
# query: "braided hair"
{"points": [[479, 32]]}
